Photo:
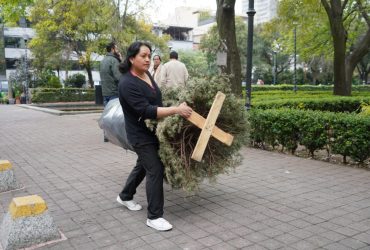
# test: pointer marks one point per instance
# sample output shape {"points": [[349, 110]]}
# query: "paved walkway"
{"points": [[272, 201]]}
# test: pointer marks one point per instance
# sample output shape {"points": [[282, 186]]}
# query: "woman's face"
{"points": [[141, 61]]}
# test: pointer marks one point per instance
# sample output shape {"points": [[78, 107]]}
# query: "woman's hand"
{"points": [[184, 110]]}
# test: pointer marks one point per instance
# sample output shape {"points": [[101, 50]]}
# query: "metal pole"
{"points": [[295, 59], [251, 12], [274, 67], [25, 38], [26, 63]]}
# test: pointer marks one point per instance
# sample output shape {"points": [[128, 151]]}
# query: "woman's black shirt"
{"points": [[139, 102]]}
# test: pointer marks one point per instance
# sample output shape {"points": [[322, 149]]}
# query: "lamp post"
{"points": [[26, 38], [248, 87], [274, 72], [295, 58]]}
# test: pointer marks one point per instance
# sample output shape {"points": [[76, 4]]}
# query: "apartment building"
{"points": [[265, 10]]}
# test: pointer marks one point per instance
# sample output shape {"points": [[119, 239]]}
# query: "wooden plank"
{"points": [[217, 133], [208, 127]]}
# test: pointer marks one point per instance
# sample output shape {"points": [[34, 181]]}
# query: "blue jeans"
{"points": [[106, 99]]}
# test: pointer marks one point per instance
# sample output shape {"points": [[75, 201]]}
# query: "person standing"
{"points": [[110, 75], [174, 72], [155, 70], [141, 99]]}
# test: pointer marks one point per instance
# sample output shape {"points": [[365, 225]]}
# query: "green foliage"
{"points": [[334, 103], [12, 11], [351, 136], [75, 81], [210, 44], [178, 137], [4, 98], [48, 95], [45, 79], [345, 134], [365, 109], [256, 88], [195, 62]]}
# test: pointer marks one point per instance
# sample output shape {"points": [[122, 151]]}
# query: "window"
{"points": [[13, 42]]}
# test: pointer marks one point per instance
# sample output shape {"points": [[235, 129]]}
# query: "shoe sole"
{"points": [[152, 226], [127, 206]]}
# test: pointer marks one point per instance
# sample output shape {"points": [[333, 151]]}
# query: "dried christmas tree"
{"points": [[178, 136]]}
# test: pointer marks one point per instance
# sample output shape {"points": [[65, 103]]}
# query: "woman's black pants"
{"points": [[148, 165]]}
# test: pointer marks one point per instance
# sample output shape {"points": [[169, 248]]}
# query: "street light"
{"points": [[248, 87], [295, 58], [26, 38], [274, 70]]}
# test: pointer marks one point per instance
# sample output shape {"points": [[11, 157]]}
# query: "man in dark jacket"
{"points": [[109, 74]]}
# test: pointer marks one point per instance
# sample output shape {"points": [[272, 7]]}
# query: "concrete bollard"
{"points": [[27, 223], [7, 177]]}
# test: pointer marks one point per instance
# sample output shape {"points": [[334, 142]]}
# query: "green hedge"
{"points": [[332, 104], [305, 87], [46, 95], [339, 133]]}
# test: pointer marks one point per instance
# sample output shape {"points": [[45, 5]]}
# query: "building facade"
{"points": [[13, 46], [265, 10]]}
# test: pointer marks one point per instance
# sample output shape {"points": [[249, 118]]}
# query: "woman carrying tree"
{"points": [[141, 99]]}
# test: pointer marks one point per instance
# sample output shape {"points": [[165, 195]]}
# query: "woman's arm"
{"points": [[183, 110]]}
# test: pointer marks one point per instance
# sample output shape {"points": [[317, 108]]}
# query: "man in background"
{"points": [[109, 74], [174, 73]]}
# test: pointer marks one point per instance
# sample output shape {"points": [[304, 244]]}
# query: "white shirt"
{"points": [[174, 73]]}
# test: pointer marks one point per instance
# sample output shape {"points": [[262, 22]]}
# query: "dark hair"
{"points": [[160, 59], [174, 55], [132, 51], [110, 46]]}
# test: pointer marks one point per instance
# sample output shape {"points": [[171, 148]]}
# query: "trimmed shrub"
{"points": [[345, 134], [305, 87], [75, 81], [47, 95], [333, 104]]}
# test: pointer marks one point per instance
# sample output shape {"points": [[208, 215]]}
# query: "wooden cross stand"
{"points": [[209, 128]]}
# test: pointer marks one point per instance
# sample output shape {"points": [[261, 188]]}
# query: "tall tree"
{"points": [[345, 61], [363, 68], [338, 28], [210, 44], [225, 17], [12, 11], [68, 27]]}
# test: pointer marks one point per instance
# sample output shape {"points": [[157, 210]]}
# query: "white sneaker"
{"points": [[159, 224], [131, 205]]}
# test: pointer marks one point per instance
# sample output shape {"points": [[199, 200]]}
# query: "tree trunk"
{"points": [[344, 65], [89, 75], [335, 15], [226, 29]]}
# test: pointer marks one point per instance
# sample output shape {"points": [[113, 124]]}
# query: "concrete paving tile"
{"points": [[256, 237], [287, 239], [79, 176], [239, 242], [336, 246], [152, 238], [353, 243], [210, 241], [364, 237], [222, 246]]}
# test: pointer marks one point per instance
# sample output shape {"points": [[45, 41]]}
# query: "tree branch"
{"points": [[344, 5], [326, 6], [363, 12]]}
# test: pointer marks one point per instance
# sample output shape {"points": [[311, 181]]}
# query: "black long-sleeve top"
{"points": [[139, 102]]}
